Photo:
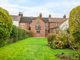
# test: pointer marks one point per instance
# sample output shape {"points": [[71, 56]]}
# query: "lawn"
{"points": [[30, 49]]}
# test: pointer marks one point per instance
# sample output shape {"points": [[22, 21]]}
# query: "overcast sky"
{"points": [[57, 8]]}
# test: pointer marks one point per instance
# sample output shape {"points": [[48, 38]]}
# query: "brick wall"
{"points": [[42, 30], [24, 26]]}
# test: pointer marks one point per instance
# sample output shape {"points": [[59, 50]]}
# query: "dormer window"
{"points": [[38, 28]]}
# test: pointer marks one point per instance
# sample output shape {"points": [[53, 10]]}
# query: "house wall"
{"points": [[16, 23], [53, 27], [53, 24], [15, 20], [42, 31], [64, 26], [24, 26]]}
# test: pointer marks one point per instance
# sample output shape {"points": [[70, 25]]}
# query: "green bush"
{"points": [[18, 34], [61, 40], [5, 26], [14, 34], [22, 34], [56, 40], [74, 23], [51, 37]]}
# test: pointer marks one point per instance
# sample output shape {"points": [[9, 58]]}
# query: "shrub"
{"points": [[22, 34], [74, 23], [51, 37], [61, 40], [18, 34], [14, 34], [58, 44], [5, 26]]}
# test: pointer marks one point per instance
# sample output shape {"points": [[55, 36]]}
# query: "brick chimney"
{"points": [[20, 14], [40, 15], [64, 16], [49, 15]]}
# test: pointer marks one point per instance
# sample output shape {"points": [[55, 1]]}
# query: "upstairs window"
{"points": [[38, 28]]}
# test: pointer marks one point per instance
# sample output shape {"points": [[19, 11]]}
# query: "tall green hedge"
{"points": [[18, 34], [74, 24], [5, 26]]}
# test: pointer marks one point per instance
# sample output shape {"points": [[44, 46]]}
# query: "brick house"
{"points": [[40, 26]]}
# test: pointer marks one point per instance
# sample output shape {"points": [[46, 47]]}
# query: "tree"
{"points": [[5, 25], [74, 24]]}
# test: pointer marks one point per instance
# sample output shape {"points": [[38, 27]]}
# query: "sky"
{"points": [[57, 8]]}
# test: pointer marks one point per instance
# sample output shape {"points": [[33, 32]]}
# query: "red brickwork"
{"points": [[48, 25], [33, 28], [24, 26]]}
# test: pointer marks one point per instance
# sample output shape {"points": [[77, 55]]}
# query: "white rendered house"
{"points": [[65, 25]]}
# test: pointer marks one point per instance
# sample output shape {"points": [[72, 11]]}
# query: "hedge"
{"points": [[18, 34], [74, 23], [5, 26]]}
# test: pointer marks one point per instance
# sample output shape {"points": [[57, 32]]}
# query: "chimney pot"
{"points": [[20, 14], [40, 15], [49, 15], [64, 16]]}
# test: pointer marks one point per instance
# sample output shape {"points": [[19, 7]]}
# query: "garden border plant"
{"points": [[8, 32], [5, 26]]}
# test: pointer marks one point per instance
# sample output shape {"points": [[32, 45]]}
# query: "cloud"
{"points": [[13, 9], [32, 8]]}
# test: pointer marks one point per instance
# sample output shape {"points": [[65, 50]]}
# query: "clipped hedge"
{"points": [[18, 34], [5, 26], [22, 34]]}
